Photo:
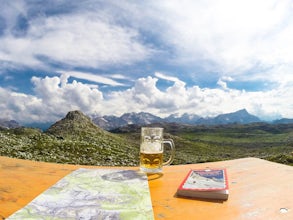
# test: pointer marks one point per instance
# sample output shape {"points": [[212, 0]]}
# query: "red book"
{"points": [[207, 183]]}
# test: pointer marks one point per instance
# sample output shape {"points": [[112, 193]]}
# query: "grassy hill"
{"points": [[197, 144], [271, 142], [76, 140]]}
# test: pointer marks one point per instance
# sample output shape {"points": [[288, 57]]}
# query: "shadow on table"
{"points": [[200, 199], [154, 176]]}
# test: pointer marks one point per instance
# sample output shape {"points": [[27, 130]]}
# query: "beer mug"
{"points": [[151, 150]]}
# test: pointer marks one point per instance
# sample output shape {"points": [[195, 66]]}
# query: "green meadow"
{"points": [[91, 145]]}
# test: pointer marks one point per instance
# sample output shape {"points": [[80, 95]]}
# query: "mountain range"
{"points": [[9, 123], [110, 122], [76, 139], [143, 118]]}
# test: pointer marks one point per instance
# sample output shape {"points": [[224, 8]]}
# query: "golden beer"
{"points": [[151, 160], [151, 150]]}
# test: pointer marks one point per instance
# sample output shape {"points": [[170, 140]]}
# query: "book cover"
{"points": [[93, 194], [207, 183]]}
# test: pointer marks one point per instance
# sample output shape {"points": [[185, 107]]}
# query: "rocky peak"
{"points": [[74, 123], [76, 115]]}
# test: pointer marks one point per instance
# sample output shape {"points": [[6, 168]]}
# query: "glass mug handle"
{"points": [[172, 146]]}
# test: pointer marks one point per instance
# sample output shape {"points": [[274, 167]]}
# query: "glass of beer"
{"points": [[152, 148]]}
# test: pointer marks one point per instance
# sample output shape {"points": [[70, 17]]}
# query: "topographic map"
{"points": [[93, 194]]}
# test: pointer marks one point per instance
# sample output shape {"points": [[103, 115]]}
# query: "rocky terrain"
{"points": [[75, 139]]}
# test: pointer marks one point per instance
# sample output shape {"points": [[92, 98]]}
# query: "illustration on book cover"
{"points": [[205, 180]]}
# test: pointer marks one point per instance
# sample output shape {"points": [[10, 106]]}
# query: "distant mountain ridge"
{"points": [[110, 122], [185, 118], [283, 121], [9, 124], [240, 117], [143, 118]]}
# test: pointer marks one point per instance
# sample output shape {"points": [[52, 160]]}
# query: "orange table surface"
{"points": [[258, 189]]}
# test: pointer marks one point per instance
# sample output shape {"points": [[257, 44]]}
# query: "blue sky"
{"points": [[163, 57]]}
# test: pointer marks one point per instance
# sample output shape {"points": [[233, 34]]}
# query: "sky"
{"points": [[204, 57]]}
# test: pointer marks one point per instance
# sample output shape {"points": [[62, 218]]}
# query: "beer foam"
{"points": [[151, 147]]}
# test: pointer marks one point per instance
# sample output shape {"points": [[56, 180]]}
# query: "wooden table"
{"points": [[258, 189]]}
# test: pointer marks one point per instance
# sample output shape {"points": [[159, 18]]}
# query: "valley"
{"points": [[76, 140]]}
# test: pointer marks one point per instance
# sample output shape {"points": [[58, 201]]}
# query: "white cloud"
{"points": [[22, 107], [60, 96], [235, 40], [228, 36], [83, 40], [178, 98], [55, 96], [166, 77], [119, 76], [225, 36], [88, 41], [92, 77], [222, 81]]}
